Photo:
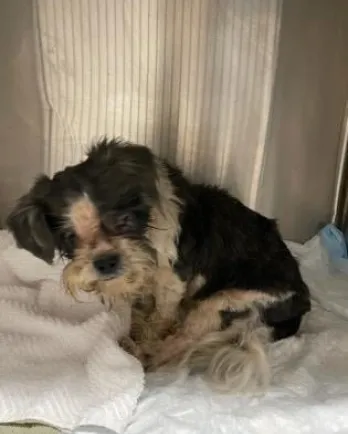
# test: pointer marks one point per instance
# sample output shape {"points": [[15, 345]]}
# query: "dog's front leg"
{"points": [[169, 291]]}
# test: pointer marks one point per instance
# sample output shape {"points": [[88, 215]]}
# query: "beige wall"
{"points": [[21, 137], [310, 94]]}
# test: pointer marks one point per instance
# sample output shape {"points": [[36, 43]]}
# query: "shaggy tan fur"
{"points": [[231, 360]]}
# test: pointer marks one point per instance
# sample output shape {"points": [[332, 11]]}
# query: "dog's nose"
{"points": [[107, 264]]}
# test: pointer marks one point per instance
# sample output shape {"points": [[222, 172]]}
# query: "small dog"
{"points": [[132, 226]]}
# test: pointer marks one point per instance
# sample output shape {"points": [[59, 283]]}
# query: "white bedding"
{"points": [[309, 393], [60, 363], [310, 382]]}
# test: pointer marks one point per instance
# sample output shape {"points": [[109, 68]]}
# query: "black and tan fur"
{"points": [[223, 282]]}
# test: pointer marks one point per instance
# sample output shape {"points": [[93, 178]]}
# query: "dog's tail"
{"points": [[233, 360]]}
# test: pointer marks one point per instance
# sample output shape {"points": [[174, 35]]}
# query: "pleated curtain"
{"points": [[190, 79]]}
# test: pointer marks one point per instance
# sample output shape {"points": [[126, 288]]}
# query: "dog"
{"points": [[223, 281]]}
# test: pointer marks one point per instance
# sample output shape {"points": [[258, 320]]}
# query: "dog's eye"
{"points": [[120, 224], [125, 223], [69, 238]]}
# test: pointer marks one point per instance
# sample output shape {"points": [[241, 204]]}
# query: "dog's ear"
{"points": [[28, 223]]}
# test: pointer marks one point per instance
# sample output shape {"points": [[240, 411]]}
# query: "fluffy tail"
{"points": [[233, 360]]}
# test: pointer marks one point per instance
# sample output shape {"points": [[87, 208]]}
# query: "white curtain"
{"points": [[190, 79]]}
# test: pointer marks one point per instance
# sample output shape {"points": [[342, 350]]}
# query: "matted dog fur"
{"points": [[221, 281]]}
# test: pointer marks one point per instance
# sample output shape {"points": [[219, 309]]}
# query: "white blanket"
{"points": [[70, 372], [60, 362]]}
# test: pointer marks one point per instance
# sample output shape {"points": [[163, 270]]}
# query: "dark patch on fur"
{"points": [[285, 316], [29, 224], [228, 316], [236, 247]]}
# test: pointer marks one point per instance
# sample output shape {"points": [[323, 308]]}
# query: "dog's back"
{"points": [[233, 246]]}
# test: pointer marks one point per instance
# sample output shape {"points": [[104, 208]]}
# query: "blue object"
{"points": [[333, 240]]}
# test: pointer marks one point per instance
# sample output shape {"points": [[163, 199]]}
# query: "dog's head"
{"points": [[113, 216]]}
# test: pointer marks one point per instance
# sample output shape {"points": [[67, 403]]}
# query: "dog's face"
{"points": [[99, 214]]}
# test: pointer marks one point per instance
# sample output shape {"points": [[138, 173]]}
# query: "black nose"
{"points": [[107, 264]]}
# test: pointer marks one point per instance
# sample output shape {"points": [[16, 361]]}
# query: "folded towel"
{"points": [[60, 362]]}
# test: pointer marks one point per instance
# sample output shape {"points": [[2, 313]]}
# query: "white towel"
{"points": [[60, 362]]}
